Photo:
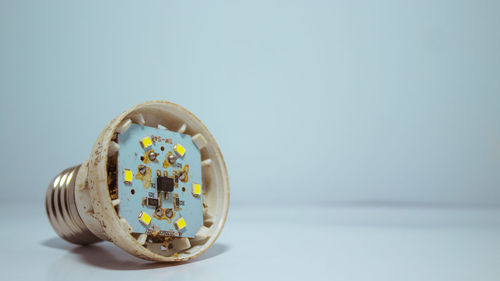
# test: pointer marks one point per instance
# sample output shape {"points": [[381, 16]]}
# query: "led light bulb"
{"points": [[155, 184]]}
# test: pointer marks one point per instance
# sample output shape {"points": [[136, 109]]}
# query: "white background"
{"points": [[309, 100], [362, 137]]}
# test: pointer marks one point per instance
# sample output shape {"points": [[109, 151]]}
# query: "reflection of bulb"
{"points": [[155, 184]]}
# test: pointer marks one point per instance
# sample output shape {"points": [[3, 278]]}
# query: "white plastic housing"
{"points": [[80, 208]]}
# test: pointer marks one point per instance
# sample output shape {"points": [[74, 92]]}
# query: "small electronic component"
{"points": [[144, 218], [180, 223], [182, 176], [179, 150], [169, 213], [178, 202], [146, 142], [142, 169], [151, 202], [164, 184], [128, 176], [196, 189], [172, 158], [152, 155]]}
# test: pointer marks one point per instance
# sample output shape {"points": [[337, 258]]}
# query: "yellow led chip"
{"points": [[128, 176], [146, 142], [179, 150], [180, 224], [144, 218], [196, 189]]}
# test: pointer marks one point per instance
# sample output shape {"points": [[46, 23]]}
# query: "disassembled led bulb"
{"points": [[159, 194]]}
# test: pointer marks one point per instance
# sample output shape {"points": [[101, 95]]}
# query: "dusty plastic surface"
{"points": [[97, 211]]}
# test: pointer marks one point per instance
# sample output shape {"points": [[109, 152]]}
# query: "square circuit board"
{"points": [[159, 182]]}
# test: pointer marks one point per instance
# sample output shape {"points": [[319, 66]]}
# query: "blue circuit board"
{"points": [[137, 194]]}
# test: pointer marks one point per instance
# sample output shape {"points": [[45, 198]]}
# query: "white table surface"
{"points": [[337, 242]]}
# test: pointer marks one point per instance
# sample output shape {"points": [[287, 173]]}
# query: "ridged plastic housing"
{"points": [[81, 210]]}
